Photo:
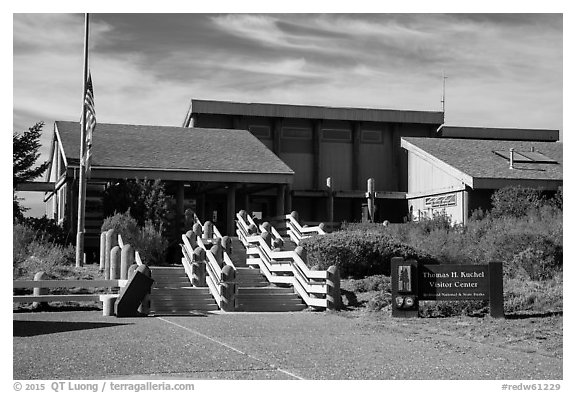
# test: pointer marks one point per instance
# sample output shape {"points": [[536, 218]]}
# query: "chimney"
{"points": [[511, 158]]}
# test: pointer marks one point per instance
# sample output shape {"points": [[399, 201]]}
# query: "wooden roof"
{"points": [[175, 153]]}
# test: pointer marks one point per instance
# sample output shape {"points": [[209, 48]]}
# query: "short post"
{"points": [[227, 245], [252, 229], [188, 219], [208, 230], [496, 289], [266, 227], [127, 258], [267, 238], [111, 241], [295, 216], [115, 255], [197, 229], [192, 237], [333, 297], [301, 253], [108, 305], [228, 288], [199, 267], [40, 276], [102, 251], [218, 251]]}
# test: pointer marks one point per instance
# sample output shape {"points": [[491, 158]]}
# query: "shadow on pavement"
{"points": [[37, 328]]}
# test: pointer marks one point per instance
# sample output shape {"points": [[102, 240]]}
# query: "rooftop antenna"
{"points": [[444, 77]]}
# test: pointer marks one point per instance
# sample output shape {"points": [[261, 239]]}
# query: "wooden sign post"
{"points": [[442, 282]]}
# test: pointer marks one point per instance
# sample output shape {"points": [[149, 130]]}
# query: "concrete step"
{"points": [[270, 308], [238, 256], [247, 291]]}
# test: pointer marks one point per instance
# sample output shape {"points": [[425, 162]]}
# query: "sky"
{"points": [[503, 70]]}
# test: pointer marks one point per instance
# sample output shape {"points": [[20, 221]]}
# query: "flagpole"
{"points": [[82, 174]]}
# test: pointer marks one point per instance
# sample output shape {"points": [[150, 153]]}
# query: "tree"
{"points": [[25, 154], [145, 199]]}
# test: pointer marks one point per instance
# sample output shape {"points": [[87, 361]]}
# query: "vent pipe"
{"points": [[511, 158]]}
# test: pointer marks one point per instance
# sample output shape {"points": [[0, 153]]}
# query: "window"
{"points": [[260, 131], [296, 133], [371, 136], [336, 135]]}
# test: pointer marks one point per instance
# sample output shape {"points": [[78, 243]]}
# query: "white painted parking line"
{"points": [[230, 347]]}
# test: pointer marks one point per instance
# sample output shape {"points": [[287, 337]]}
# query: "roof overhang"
{"points": [[493, 183], [99, 172], [311, 112]]}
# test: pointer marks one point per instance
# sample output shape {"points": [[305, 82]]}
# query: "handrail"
{"points": [[68, 283], [298, 232], [212, 278], [302, 278]]}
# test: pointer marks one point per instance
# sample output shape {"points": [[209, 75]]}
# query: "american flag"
{"points": [[90, 121]]}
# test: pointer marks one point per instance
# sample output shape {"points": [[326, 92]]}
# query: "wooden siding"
{"points": [[335, 162], [424, 176], [303, 166]]}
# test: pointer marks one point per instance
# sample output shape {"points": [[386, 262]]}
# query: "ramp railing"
{"points": [[318, 288]]}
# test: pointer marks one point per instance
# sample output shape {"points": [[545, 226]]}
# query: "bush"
{"points": [[382, 300], [515, 201], [357, 253], [33, 251], [148, 240], [145, 199], [48, 230], [371, 283]]}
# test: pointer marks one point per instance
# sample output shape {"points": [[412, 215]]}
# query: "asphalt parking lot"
{"points": [[302, 345]]}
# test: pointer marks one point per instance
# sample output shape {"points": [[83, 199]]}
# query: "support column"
{"points": [[288, 198], [277, 129], [179, 207], [280, 201], [356, 137], [316, 151], [246, 199], [230, 208], [465, 206]]}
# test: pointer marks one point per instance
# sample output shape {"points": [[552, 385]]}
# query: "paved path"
{"points": [[305, 345]]}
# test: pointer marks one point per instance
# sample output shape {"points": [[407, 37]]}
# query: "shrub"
{"points": [[515, 201], [382, 300], [377, 282], [356, 253], [148, 240], [48, 229]]}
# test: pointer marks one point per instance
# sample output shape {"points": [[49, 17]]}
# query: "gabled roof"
{"points": [[475, 162], [312, 112], [175, 149], [510, 134]]}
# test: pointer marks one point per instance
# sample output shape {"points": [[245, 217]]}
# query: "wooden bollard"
{"points": [[252, 229], [295, 216], [208, 230], [127, 258], [197, 230], [111, 241], [102, 251], [115, 263], [227, 245], [333, 298], [267, 238], [228, 288], [266, 227], [218, 252], [244, 215], [199, 267], [192, 237], [40, 276]]}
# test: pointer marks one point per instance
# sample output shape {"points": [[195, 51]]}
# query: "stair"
{"points": [[255, 293], [172, 293]]}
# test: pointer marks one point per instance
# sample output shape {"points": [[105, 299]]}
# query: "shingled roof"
{"points": [[477, 164], [174, 149]]}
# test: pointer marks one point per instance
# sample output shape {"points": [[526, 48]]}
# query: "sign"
{"points": [[453, 282], [412, 282], [440, 201]]}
